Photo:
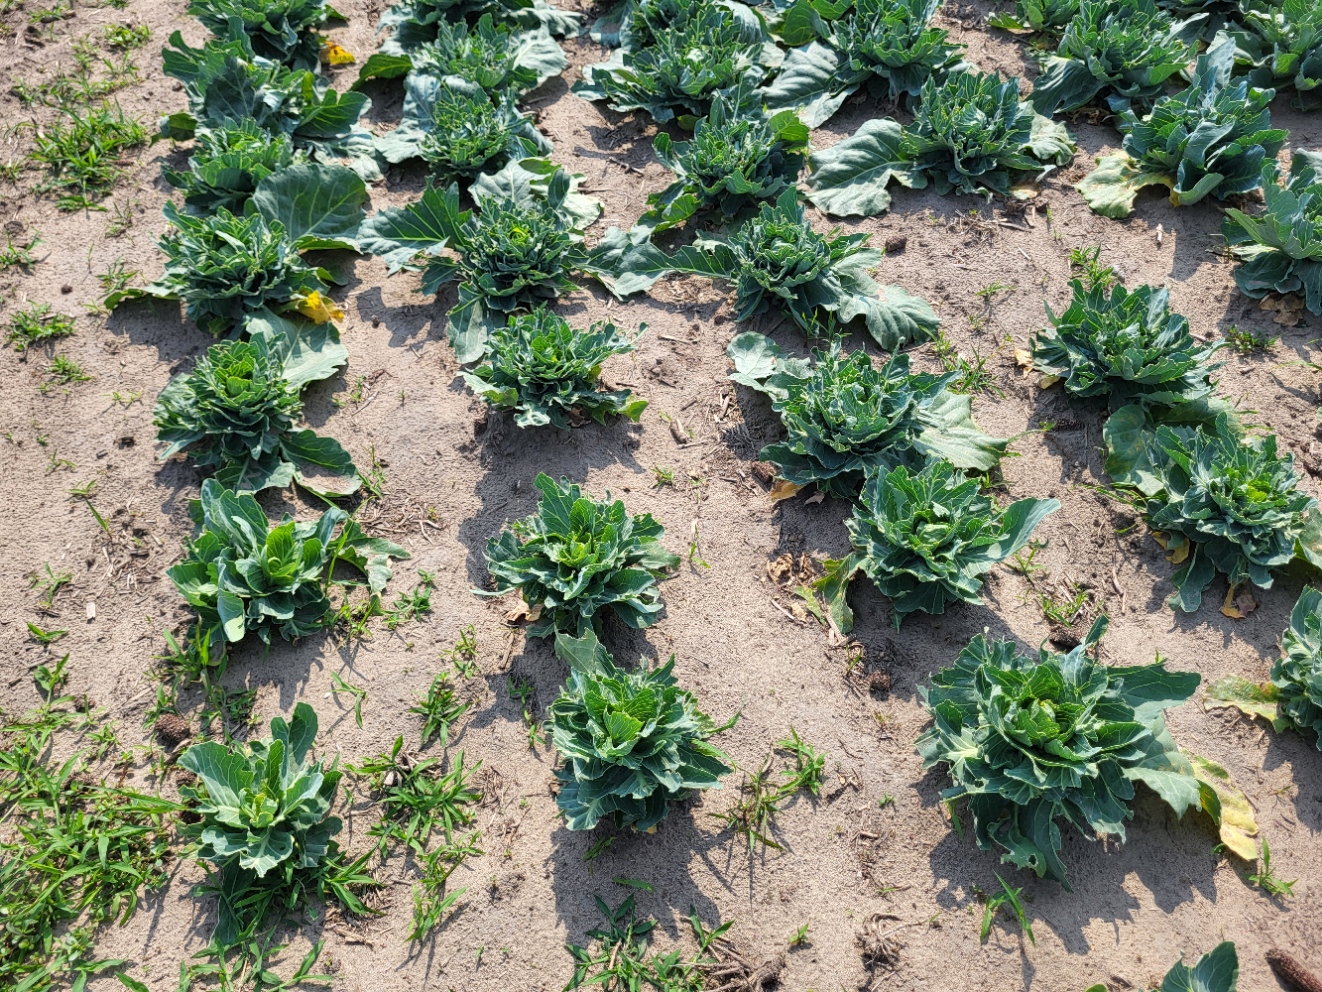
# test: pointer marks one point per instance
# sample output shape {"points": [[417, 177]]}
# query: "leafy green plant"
{"points": [[416, 798], [631, 742], [1210, 138], [925, 537], [283, 31], [844, 417], [776, 261], [676, 54], [80, 848], [1280, 41], [970, 134], [1126, 346], [515, 251], [1032, 740], [495, 56], [1280, 249], [414, 23], [227, 269], [1126, 53], [227, 163], [1267, 879], [547, 372], [234, 413], [439, 709], [230, 269], [575, 558], [241, 574], [225, 81], [734, 160], [84, 151], [1220, 500], [887, 46], [1008, 896], [37, 325], [1036, 16], [761, 793], [1215, 971], [1293, 697], [459, 130], [264, 820]]}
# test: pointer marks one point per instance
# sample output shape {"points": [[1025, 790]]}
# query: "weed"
{"points": [[410, 605], [48, 585], [1010, 897], [416, 798], [36, 325], [44, 637], [1246, 342], [431, 901], [84, 490], [121, 218], [523, 691], [1067, 609], [80, 854], [126, 36], [439, 709], [800, 937], [760, 794], [115, 279], [1024, 561], [56, 463], [338, 685], [974, 376], [19, 255], [51, 681], [64, 371], [1267, 880], [354, 617], [1086, 261], [664, 476], [464, 653], [126, 399], [355, 394], [85, 155], [374, 480]]}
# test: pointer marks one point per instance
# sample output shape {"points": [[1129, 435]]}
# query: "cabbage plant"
{"points": [[844, 417], [242, 575], [970, 134], [925, 537], [1124, 52], [227, 163], [1033, 741], [492, 54], [1036, 16], [576, 558], [1280, 249], [888, 47], [282, 31], [235, 412], [518, 249], [1218, 500], [411, 24], [225, 81], [263, 814], [631, 742], [1292, 700], [676, 54], [548, 372], [459, 130], [1126, 346], [734, 160], [1280, 43], [1211, 138], [776, 261]]}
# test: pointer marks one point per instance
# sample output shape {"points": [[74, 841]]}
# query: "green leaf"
{"points": [[1215, 971], [320, 206], [850, 178]]}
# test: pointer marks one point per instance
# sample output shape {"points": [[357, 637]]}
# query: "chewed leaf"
{"points": [[1228, 807]]}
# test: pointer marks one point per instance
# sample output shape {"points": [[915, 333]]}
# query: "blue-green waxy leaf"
{"points": [[320, 206], [1215, 971], [630, 742], [1030, 741], [850, 178], [575, 558]]}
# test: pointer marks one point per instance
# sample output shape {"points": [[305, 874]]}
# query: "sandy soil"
{"points": [[450, 486]]}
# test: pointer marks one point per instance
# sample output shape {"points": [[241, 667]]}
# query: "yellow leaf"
{"points": [[1237, 607], [333, 54], [1023, 358], [1227, 806], [319, 308], [1160, 538], [1047, 381], [1180, 553], [780, 489]]}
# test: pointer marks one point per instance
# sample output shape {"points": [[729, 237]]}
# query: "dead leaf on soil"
{"points": [[523, 614], [1024, 359], [333, 54], [1289, 309], [815, 498], [781, 489], [1227, 806], [1239, 602]]}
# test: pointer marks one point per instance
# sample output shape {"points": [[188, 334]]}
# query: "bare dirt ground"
{"points": [[450, 485]]}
